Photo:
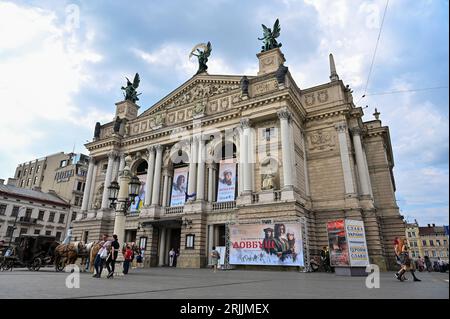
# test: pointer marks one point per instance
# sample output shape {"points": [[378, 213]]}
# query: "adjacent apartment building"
{"points": [[431, 241], [27, 211]]}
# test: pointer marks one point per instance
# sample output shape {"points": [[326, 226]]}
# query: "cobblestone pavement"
{"points": [[168, 283]]}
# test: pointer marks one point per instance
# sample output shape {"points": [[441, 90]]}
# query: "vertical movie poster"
{"points": [[179, 186], [227, 181], [357, 246], [337, 242], [139, 200]]}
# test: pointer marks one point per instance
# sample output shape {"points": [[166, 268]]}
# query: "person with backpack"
{"points": [[215, 256], [127, 256]]}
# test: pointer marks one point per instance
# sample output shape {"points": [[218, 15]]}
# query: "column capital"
{"points": [[210, 165], [113, 155], [244, 123], [159, 148], [341, 127], [356, 131], [166, 171], [150, 149], [284, 114]]}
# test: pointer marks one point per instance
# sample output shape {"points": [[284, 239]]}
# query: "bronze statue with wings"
{"points": [[130, 93], [202, 55], [269, 37]]}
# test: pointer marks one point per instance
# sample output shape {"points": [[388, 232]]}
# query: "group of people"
{"points": [[108, 253], [401, 250], [278, 242], [424, 263]]}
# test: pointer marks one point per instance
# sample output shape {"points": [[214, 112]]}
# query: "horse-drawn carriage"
{"points": [[32, 252]]}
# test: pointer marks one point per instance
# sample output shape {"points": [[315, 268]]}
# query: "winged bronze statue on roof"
{"points": [[202, 55], [269, 37], [130, 93]]}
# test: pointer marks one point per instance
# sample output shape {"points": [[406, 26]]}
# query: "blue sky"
{"points": [[62, 65]]}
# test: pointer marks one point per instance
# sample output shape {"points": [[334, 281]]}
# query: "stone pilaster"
{"points": [[149, 178], [157, 178], [284, 115], [201, 169], [345, 159], [363, 182], [88, 185], [109, 171]]}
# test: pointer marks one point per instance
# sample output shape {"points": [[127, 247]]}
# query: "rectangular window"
{"points": [[22, 183], [9, 231], [79, 186], [18, 174], [23, 231], [409, 234], [31, 170], [51, 217], [35, 180], [431, 242], [38, 168], [3, 209], [63, 163], [434, 253], [41, 215], [28, 213], [37, 232], [190, 241], [48, 232], [15, 211], [58, 236], [28, 181], [74, 216], [442, 254], [61, 218], [24, 173], [424, 242], [438, 242], [427, 253], [445, 242]]}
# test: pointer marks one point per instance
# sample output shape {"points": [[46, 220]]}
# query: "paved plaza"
{"points": [[172, 283]]}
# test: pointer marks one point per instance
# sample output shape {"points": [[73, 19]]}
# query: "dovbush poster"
{"points": [[227, 182], [139, 200], [357, 246], [337, 243], [266, 244], [179, 186]]}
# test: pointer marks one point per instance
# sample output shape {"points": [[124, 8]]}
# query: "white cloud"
{"points": [[42, 67]]}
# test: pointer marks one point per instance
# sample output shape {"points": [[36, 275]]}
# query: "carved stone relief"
{"points": [[321, 140], [262, 88]]}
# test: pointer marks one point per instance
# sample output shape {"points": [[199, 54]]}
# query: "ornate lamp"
{"points": [[113, 192], [133, 188]]}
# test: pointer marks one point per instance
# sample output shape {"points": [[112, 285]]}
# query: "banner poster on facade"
{"points": [[221, 250], [227, 181], [357, 247], [337, 243], [266, 244], [179, 186], [139, 200]]}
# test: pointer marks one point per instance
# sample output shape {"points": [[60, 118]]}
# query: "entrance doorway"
{"points": [[169, 238], [130, 235]]}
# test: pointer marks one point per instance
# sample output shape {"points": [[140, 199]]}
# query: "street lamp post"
{"points": [[121, 196]]}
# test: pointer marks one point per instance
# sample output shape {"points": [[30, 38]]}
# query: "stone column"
{"points": [[210, 182], [192, 183], [162, 247], [169, 187], [345, 159], [210, 241], [88, 185], [105, 200], [284, 116], [201, 169], [121, 161], [115, 174], [157, 178], [356, 132], [245, 160], [367, 172], [305, 163], [92, 189], [149, 179], [165, 187]]}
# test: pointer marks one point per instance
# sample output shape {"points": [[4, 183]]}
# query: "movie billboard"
{"points": [[226, 189], [179, 186], [357, 247], [337, 242], [266, 244], [139, 199]]}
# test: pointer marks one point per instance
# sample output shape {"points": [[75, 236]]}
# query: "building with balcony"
{"points": [[27, 211], [224, 150]]}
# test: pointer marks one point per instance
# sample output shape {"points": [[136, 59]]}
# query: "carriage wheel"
{"points": [[59, 266], [7, 265], [36, 265]]}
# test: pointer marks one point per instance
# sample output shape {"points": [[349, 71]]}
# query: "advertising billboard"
{"points": [[357, 247], [139, 200], [226, 189], [277, 244], [337, 243], [179, 186]]}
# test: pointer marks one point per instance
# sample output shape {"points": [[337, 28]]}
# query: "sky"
{"points": [[62, 64]]}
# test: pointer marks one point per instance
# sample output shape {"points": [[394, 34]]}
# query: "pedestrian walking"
{"points": [[214, 258], [112, 257], [325, 258], [101, 257], [172, 254], [428, 263], [405, 261], [127, 259], [68, 238]]}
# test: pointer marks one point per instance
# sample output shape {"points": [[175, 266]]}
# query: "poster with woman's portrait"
{"points": [[139, 200], [226, 189], [179, 186], [337, 242]]}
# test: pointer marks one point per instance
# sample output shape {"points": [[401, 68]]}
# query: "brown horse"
{"points": [[93, 253], [67, 254]]}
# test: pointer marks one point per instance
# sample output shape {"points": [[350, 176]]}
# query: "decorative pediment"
{"points": [[196, 90]]}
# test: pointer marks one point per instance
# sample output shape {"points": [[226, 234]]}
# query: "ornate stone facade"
{"points": [[299, 153]]}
